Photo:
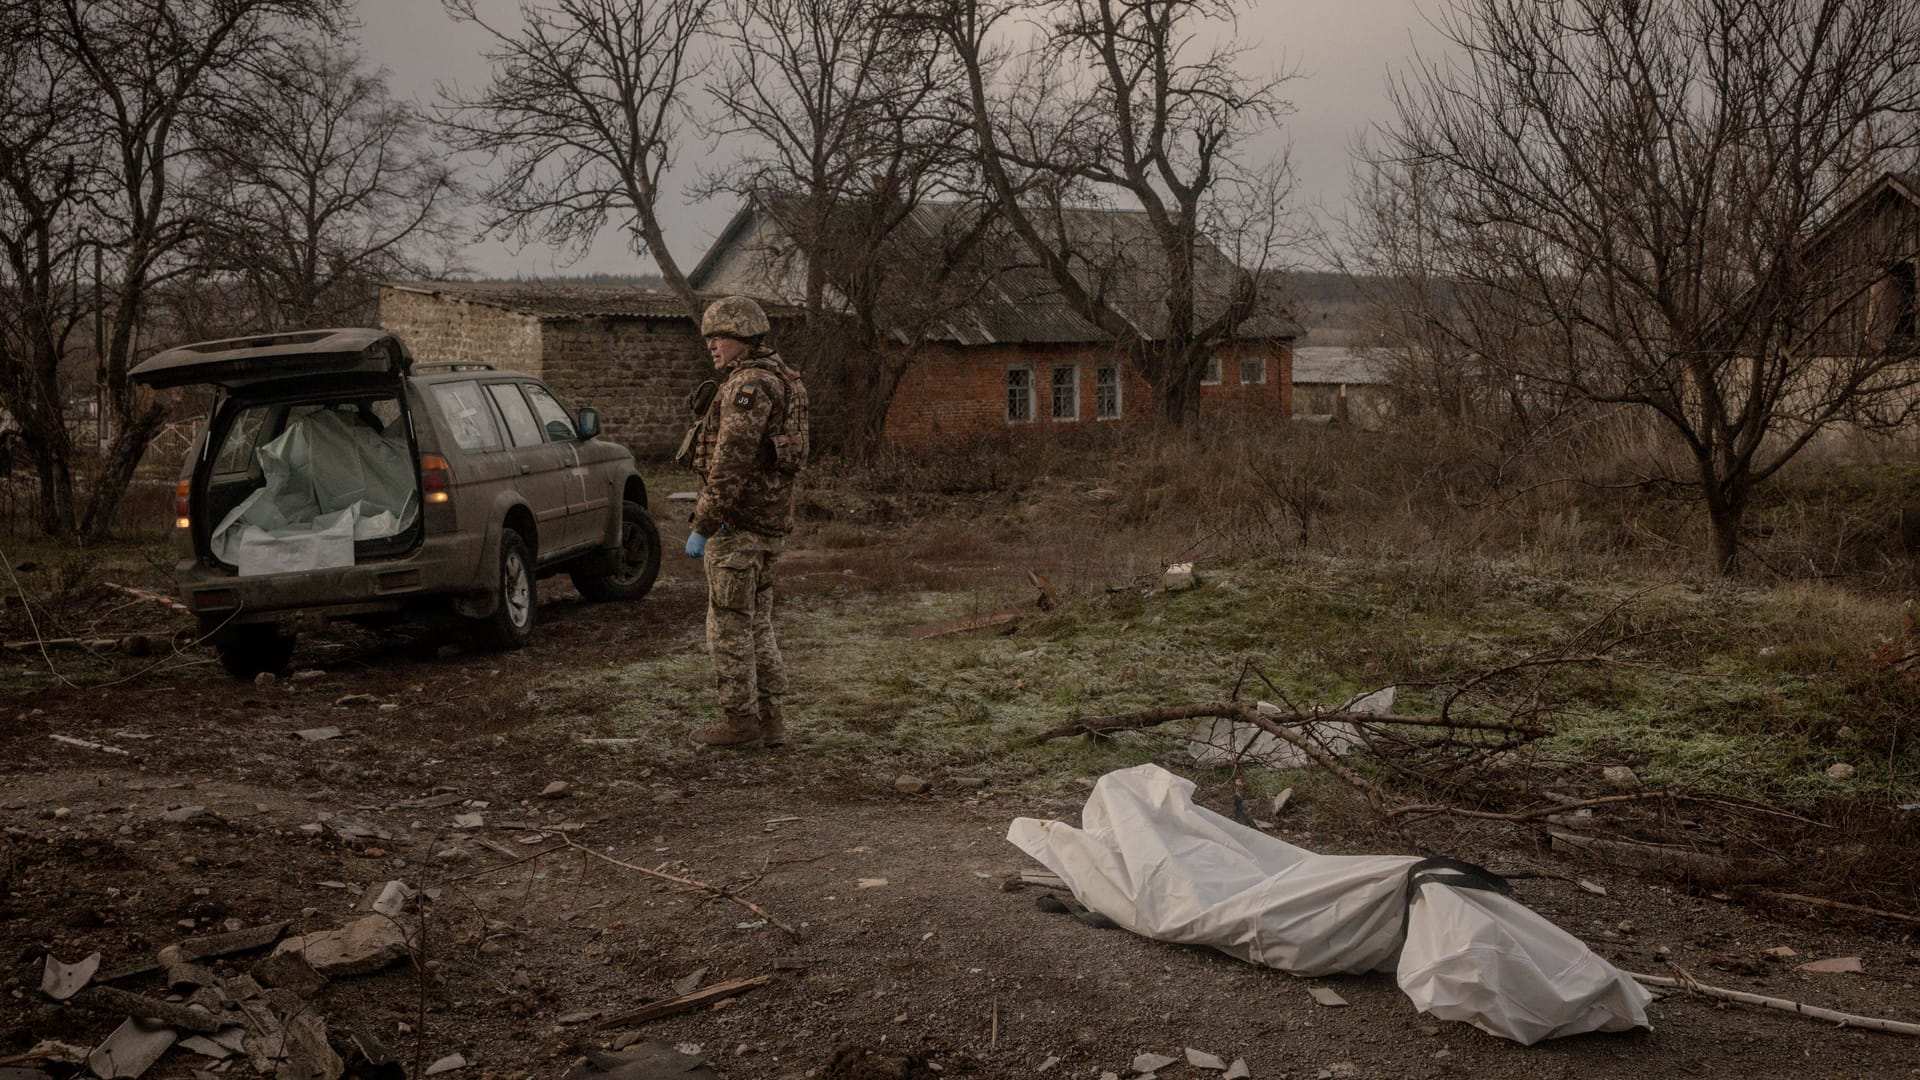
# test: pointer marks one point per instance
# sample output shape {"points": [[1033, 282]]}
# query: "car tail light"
{"points": [[182, 497], [436, 478]]}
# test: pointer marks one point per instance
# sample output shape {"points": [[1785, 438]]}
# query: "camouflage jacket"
{"points": [[742, 482]]}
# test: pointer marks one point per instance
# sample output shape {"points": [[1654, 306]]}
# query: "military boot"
{"points": [[773, 725], [736, 730]]}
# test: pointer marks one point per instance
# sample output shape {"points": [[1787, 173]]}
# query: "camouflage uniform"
{"points": [[746, 509]]}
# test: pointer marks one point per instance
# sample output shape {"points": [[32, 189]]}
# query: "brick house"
{"points": [[629, 352], [1010, 354]]}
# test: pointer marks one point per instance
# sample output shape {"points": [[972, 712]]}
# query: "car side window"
{"points": [[521, 425], [468, 417], [553, 415]]}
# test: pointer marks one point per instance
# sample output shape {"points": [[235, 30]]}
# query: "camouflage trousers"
{"points": [[747, 670]]}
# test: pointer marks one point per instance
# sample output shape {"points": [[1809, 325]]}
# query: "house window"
{"points": [[1066, 393], [1253, 370], [1106, 393], [1211, 376], [1019, 394]]}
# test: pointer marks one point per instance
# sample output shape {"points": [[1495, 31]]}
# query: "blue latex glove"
{"points": [[696, 545]]}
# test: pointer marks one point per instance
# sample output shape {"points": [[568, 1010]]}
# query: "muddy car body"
{"points": [[336, 479]]}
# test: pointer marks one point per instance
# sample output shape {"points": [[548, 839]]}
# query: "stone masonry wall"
{"points": [[636, 371], [439, 329], [953, 393]]}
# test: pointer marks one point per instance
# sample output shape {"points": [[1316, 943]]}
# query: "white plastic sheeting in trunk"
{"points": [[1153, 862], [331, 479]]}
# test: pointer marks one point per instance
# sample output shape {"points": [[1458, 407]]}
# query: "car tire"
{"points": [[510, 626], [249, 651], [639, 560]]}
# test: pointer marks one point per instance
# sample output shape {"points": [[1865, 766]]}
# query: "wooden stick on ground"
{"points": [[1861, 909], [688, 882], [658, 1009], [1688, 982], [1240, 710], [153, 596]]}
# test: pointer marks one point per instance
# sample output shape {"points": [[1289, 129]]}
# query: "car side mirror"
{"points": [[588, 422]]}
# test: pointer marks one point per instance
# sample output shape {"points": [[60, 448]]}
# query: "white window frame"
{"points": [[1032, 411], [1256, 358], [1118, 397], [1053, 393], [1210, 375]]}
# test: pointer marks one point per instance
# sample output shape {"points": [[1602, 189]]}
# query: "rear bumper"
{"points": [[440, 566]]}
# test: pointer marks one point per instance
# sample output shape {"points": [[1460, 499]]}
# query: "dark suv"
{"points": [[336, 479]]}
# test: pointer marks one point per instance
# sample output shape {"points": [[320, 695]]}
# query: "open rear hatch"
{"points": [[310, 461], [237, 364]]}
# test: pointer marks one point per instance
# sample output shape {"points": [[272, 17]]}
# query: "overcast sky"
{"points": [[1342, 49]]}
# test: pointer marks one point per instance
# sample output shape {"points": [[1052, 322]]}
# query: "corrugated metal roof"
{"points": [[1336, 364], [1013, 299], [555, 301]]}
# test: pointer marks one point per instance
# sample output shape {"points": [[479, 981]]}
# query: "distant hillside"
{"points": [[1328, 305]]}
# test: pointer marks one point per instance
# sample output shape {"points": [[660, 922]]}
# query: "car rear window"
{"points": [[468, 417]]}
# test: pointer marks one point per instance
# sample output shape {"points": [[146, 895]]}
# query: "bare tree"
{"points": [[326, 186], [582, 118], [42, 209], [847, 136], [145, 69], [1124, 102], [1676, 201]]}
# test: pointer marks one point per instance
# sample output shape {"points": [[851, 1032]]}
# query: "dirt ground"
{"points": [[913, 938]]}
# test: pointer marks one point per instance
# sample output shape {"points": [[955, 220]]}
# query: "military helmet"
{"points": [[734, 317]]}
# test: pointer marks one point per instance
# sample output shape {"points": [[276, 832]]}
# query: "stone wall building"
{"points": [[1336, 384], [1008, 353], [629, 352]]}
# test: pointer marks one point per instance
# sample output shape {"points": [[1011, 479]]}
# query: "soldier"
{"points": [[749, 445]]}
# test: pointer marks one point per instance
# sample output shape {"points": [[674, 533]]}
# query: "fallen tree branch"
{"points": [[153, 596], [658, 1009], [1240, 710], [1536, 813], [139, 1006], [1688, 982], [716, 890], [1860, 909]]}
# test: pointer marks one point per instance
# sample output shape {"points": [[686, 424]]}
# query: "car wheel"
{"points": [[639, 560], [248, 651], [511, 624]]}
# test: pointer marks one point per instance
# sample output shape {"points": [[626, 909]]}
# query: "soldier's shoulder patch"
{"points": [[746, 395]]}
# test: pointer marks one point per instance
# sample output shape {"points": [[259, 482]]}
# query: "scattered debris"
{"points": [[872, 882], [469, 821], [233, 941], [558, 789], [1200, 1059], [141, 1007], [1593, 887], [308, 675], [1179, 576], [393, 898], [348, 827], [1151, 1063], [347, 700], [651, 1060], [318, 734], [180, 815], [1620, 778], [908, 784], [671, 1006], [362, 946], [1327, 996], [1840, 770], [1280, 801], [131, 1050], [1782, 951], [970, 622], [1050, 1062], [1837, 965], [61, 981], [89, 744], [447, 1064], [1238, 1070], [288, 971], [688, 983], [683, 496]]}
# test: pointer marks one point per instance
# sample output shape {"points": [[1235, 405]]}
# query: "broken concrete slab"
{"points": [[318, 734], [1152, 1063], [469, 821], [131, 1050], [652, 1060], [558, 789], [1838, 965], [61, 981], [1179, 576], [1200, 1059], [288, 971], [1326, 996], [234, 941], [1238, 1070], [206, 1047], [447, 1064], [287, 1039], [186, 976], [363, 946], [393, 898], [180, 815]]}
